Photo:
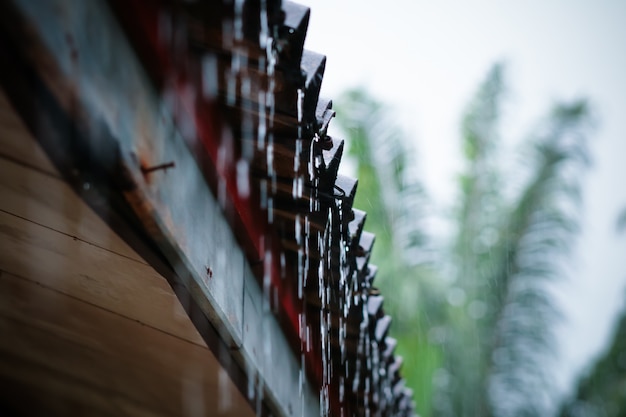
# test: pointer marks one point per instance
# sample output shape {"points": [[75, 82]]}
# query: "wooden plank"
{"points": [[78, 347], [49, 201], [16, 141], [95, 275], [124, 128], [29, 389]]}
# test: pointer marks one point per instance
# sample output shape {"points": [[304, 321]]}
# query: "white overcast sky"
{"points": [[426, 58]]}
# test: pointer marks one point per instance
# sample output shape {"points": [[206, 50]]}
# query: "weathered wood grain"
{"points": [[79, 355], [95, 275], [49, 201]]}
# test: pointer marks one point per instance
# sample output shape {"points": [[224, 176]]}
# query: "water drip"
{"points": [[267, 279], [243, 178], [209, 76]]}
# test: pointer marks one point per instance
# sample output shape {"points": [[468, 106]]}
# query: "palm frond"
{"points": [[395, 200], [537, 235], [602, 391], [397, 196]]}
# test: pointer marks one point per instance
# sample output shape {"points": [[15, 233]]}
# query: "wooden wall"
{"points": [[87, 327]]}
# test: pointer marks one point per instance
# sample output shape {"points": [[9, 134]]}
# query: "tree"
{"points": [[601, 392], [536, 238], [495, 317], [394, 200]]}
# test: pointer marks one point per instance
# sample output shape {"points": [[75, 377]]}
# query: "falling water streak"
{"points": [[225, 400], [264, 34], [259, 397], [303, 264], [298, 151], [251, 381], [283, 265], [341, 389], [325, 342], [301, 326], [366, 397], [269, 157], [238, 20], [264, 142], [308, 338], [231, 87], [301, 376], [373, 375], [298, 230], [325, 319], [363, 341], [210, 78], [301, 256], [267, 279], [316, 161], [267, 42], [300, 104], [325, 325], [262, 125], [243, 178], [323, 331], [302, 382]]}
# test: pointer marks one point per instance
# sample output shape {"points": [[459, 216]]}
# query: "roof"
{"points": [[243, 98]]}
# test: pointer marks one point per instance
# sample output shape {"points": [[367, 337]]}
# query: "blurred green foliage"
{"points": [[602, 391], [472, 315]]}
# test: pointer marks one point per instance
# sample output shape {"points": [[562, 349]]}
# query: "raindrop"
{"points": [[251, 381], [243, 179], [231, 87], [225, 400], [209, 76], [283, 266], [267, 279]]}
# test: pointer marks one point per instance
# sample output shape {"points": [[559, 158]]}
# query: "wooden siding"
{"points": [[87, 327]]}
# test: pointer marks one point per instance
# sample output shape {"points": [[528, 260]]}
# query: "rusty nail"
{"points": [[157, 167]]}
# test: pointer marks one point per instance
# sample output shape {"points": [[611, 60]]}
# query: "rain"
{"points": [[260, 208]]}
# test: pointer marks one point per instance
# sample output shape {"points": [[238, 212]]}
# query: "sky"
{"points": [[425, 59]]}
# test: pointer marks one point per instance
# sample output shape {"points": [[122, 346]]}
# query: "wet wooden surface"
{"points": [[87, 327]]}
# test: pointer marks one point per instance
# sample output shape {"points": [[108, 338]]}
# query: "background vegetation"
{"points": [[472, 311]]}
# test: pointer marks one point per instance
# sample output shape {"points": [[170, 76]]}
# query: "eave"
{"points": [[160, 165]]}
